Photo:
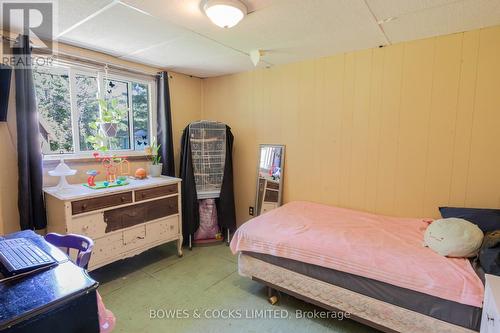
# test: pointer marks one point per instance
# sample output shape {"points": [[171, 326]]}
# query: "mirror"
{"points": [[269, 178]]}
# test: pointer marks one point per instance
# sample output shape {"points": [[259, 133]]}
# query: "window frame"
{"points": [[101, 76]]}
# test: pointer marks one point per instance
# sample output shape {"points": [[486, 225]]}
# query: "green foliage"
{"points": [[87, 93], [155, 156], [54, 111], [140, 108], [52, 88], [110, 113]]}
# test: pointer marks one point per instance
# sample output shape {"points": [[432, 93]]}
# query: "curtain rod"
{"points": [[85, 60], [88, 61]]}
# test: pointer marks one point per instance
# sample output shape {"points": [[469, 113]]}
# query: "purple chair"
{"points": [[82, 244]]}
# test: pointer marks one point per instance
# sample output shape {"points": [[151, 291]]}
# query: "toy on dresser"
{"points": [[112, 165]]}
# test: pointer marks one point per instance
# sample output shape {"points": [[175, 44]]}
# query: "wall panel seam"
{"points": [[478, 53]]}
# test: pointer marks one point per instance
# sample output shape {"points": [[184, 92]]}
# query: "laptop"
{"points": [[21, 255]]}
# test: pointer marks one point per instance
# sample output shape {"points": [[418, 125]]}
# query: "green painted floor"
{"points": [[205, 281]]}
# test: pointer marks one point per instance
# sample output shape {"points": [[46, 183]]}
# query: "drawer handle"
{"points": [[490, 319], [140, 237], [84, 206], [123, 198]]}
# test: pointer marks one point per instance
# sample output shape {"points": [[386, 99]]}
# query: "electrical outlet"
{"points": [[250, 211]]}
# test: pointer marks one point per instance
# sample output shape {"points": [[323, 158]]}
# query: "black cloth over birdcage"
{"points": [[226, 212]]}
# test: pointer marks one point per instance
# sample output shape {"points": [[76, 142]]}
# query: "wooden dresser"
{"points": [[123, 221]]}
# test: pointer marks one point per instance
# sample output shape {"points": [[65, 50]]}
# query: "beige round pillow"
{"points": [[453, 237]]}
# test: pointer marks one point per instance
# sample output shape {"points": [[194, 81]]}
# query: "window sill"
{"points": [[54, 159]]}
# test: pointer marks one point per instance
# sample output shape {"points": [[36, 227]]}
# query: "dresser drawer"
{"points": [[161, 208], [273, 186], [271, 196], [88, 205], [163, 229], [135, 237], [90, 225], [125, 217], [155, 192], [105, 248], [268, 206]]}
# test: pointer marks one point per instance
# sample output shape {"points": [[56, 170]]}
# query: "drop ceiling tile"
{"points": [[66, 14], [217, 66], [281, 24], [383, 9], [121, 30], [177, 35], [490, 12], [253, 5], [72, 12], [184, 50], [456, 17]]}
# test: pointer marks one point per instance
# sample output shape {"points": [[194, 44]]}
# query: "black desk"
{"points": [[59, 299]]}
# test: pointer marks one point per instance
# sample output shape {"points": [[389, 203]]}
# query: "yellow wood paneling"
{"points": [[483, 178], [465, 112], [400, 130], [389, 128], [442, 124], [374, 129], [360, 125], [331, 122], [413, 126]]}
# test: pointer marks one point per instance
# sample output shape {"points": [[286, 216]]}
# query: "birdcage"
{"points": [[208, 151]]}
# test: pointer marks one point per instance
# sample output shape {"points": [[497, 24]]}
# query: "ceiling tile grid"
{"points": [[176, 34]]}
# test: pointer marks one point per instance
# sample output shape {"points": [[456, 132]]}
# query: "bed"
{"points": [[373, 267]]}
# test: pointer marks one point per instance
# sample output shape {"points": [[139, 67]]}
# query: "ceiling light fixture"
{"points": [[225, 13]]}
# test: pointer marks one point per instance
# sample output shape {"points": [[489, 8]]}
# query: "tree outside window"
{"points": [[68, 105]]}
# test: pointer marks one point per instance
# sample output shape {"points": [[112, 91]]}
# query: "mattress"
{"points": [[452, 312], [367, 310], [381, 248]]}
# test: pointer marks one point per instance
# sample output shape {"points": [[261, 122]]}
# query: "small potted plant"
{"points": [[156, 166], [108, 123], [111, 116]]}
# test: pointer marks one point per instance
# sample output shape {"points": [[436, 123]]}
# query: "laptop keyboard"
{"points": [[21, 253]]}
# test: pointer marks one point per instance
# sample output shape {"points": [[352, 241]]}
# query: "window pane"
{"points": [[140, 111], [119, 90], [87, 106], [54, 110]]}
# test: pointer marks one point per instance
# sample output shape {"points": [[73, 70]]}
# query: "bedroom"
{"points": [[383, 107]]}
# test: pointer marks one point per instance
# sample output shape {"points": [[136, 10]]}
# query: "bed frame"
{"points": [[380, 315]]}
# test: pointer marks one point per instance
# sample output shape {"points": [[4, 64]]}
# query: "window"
{"points": [[70, 113]]}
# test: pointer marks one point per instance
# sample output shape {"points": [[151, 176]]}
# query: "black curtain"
{"points": [[30, 200], [164, 130]]}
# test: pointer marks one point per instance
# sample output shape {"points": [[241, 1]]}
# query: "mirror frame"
{"points": [[280, 193]]}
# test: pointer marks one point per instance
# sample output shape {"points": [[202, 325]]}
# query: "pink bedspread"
{"points": [[383, 248]]}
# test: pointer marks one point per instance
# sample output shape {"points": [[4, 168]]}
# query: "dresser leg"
{"points": [[179, 247]]}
